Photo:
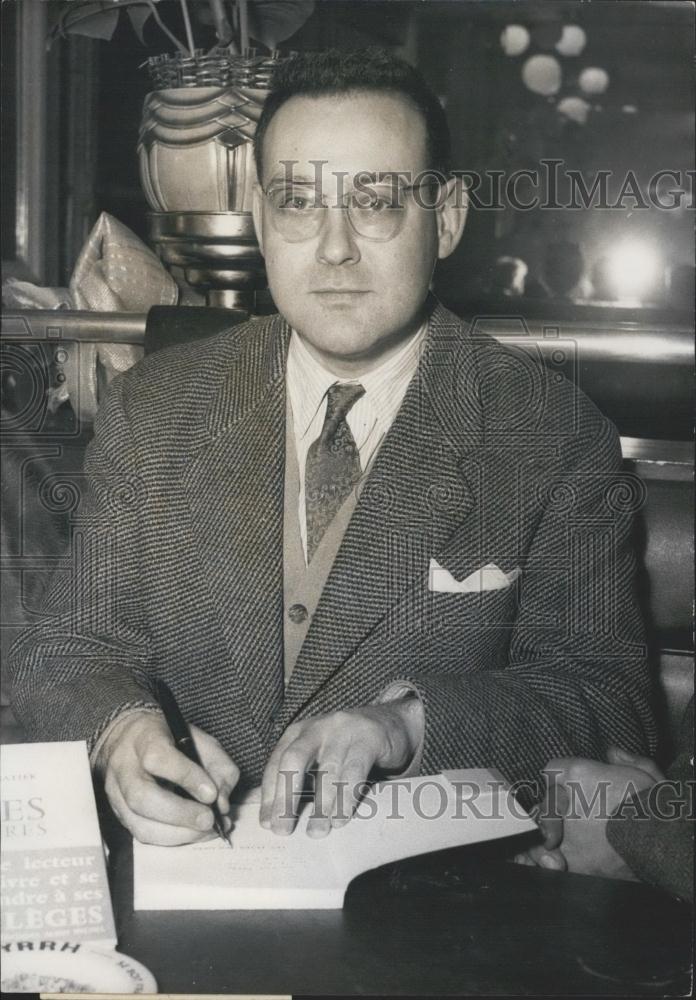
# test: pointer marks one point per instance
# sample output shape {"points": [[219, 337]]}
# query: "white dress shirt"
{"points": [[369, 418]]}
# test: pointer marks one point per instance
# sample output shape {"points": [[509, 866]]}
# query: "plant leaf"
{"points": [[272, 21], [138, 18], [95, 20]]}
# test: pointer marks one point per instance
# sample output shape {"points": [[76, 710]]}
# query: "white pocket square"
{"points": [[489, 577]]}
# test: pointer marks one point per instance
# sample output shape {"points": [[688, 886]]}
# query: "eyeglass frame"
{"points": [[395, 188]]}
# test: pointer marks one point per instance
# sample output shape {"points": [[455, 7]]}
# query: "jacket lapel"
{"points": [[235, 490], [424, 486]]}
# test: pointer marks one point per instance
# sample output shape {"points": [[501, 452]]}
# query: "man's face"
{"points": [[351, 299]]}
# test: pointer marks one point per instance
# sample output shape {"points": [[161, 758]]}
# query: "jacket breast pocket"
{"points": [[487, 609]]}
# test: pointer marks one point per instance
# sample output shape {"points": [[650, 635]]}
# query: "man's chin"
{"points": [[340, 345], [352, 335], [341, 330]]}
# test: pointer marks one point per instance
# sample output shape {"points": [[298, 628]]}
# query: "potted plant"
{"points": [[195, 141]]}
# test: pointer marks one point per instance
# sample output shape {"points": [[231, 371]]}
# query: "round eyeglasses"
{"points": [[375, 211]]}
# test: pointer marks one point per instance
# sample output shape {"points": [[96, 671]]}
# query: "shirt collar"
{"points": [[308, 380]]}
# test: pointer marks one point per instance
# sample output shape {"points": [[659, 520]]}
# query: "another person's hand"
{"points": [[341, 750], [136, 752], [581, 795]]}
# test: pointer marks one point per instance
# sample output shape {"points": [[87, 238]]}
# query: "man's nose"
{"points": [[337, 243]]}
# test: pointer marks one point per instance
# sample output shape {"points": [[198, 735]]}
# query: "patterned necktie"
{"points": [[333, 464]]}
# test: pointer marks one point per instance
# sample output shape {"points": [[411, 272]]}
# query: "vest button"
{"points": [[297, 613]]}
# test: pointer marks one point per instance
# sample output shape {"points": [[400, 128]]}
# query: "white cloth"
{"points": [[489, 577], [369, 418], [115, 272]]}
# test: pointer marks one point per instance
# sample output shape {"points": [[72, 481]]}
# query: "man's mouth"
{"points": [[340, 291]]}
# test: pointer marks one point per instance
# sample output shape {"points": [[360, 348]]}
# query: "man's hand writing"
{"points": [[136, 752], [341, 749]]}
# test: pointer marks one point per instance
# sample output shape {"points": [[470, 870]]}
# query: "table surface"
{"points": [[462, 921]]}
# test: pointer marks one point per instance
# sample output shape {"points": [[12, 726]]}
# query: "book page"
{"points": [[262, 870]]}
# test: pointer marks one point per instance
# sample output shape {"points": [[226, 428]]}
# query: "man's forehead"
{"points": [[355, 131]]}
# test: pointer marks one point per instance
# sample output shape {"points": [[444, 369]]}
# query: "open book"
{"points": [[397, 819]]}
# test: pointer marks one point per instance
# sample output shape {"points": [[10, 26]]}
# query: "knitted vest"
{"points": [[302, 584]]}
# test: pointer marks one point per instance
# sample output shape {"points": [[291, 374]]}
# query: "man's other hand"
{"points": [[341, 750], [136, 752]]}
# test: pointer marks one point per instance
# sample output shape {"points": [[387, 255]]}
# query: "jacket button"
{"points": [[297, 613]]}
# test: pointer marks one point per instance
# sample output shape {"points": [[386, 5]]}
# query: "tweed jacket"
{"points": [[177, 565]]}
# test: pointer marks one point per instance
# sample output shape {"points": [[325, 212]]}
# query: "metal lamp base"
{"points": [[217, 251]]}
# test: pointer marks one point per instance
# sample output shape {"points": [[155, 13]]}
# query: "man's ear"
{"points": [[257, 213], [451, 216]]}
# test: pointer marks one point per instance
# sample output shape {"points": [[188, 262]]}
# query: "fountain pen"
{"points": [[183, 741]]}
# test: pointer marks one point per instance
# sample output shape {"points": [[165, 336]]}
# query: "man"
{"points": [[353, 537]]}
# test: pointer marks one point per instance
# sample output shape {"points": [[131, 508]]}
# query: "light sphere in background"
{"points": [[514, 39], [594, 80], [574, 108], [633, 268], [542, 75], [572, 41]]}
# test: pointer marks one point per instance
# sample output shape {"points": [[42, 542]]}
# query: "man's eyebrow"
{"points": [[292, 180]]}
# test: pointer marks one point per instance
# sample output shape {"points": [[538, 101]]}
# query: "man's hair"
{"points": [[333, 72]]}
